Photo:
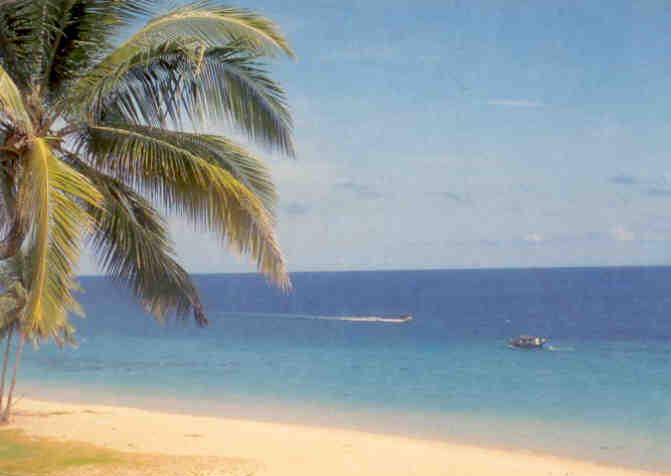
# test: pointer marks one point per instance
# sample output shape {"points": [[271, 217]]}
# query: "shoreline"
{"points": [[283, 449], [599, 445]]}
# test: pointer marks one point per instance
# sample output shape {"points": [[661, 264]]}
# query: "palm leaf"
{"points": [[78, 32], [9, 313], [132, 245], [47, 42], [160, 163], [14, 120], [203, 24], [212, 24], [11, 103], [66, 93], [52, 193], [221, 152], [9, 274], [16, 28], [245, 167], [176, 81]]}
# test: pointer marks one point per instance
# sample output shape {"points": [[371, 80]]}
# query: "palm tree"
{"points": [[94, 139], [9, 315], [6, 414], [13, 303]]}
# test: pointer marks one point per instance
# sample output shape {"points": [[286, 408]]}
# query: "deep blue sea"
{"points": [[601, 390]]}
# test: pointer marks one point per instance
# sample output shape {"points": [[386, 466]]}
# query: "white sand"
{"points": [[274, 449]]}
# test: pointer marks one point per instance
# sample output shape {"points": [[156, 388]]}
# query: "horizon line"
{"points": [[415, 270]]}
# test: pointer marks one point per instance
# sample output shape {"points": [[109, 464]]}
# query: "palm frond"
{"points": [[77, 33], [10, 313], [9, 274], [11, 103], [197, 27], [214, 25], [48, 42], [221, 152], [28, 26], [177, 81], [16, 27], [131, 242], [87, 147], [244, 166], [161, 164], [65, 335], [12, 303], [53, 194], [8, 307], [14, 296]]}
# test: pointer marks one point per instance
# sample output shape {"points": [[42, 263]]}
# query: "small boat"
{"points": [[527, 342]]}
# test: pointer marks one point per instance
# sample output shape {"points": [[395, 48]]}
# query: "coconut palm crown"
{"points": [[95, 137]]}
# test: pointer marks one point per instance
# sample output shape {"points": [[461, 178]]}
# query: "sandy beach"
{"points": [[226, 446]]}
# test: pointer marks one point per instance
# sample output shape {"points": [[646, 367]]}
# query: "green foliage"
{"points": [[14, 295], [185, 80], [180, 172], [11, 103], [92, 138], [57, 191], [132, 244]]}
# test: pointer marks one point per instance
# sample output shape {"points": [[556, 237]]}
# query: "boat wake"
{"points": [[552, 348], [389, 320], [376, 319]]}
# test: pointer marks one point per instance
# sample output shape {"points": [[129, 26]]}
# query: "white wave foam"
{"points": [[390, 320], [552, 348]]}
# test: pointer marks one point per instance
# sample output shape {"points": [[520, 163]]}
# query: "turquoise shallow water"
{"points": [[602, 391]]}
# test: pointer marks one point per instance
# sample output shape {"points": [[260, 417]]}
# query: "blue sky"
{"points": [[452, 134]]}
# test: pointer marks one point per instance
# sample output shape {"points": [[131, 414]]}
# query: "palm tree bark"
{"points": [[5, 362], [17, 359], [11, 242]]}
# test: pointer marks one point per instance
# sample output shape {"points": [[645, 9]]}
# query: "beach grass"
{"points": [[22, 455]]}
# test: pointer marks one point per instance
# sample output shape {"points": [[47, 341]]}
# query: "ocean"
{"points": [[601, 390]]}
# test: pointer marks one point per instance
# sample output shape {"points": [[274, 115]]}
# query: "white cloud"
{"points": [[520, 103], [300, 172], [620, 233], [534, 238]]}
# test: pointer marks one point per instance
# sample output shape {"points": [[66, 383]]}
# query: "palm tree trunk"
{"points": [[5, 362], [17, 360]]}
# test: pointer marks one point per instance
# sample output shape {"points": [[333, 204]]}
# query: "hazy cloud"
{"points": [[453, 197], [360, 190], [519, 103], [658, 192], [621, 233], [534, 238], [655, 188], [623, 179], [657, 184], [296, 208]]}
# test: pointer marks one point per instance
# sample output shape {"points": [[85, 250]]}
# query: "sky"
{"points": [[468, 134]]}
